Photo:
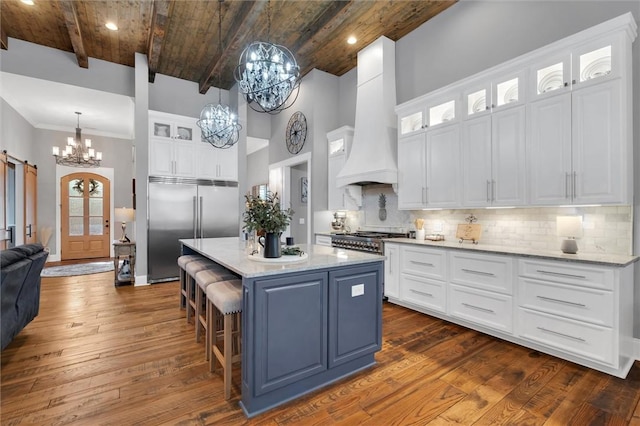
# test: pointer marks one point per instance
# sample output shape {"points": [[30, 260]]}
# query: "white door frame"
{"points": [[280, 182]]}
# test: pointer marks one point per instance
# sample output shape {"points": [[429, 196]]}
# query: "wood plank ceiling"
{"points": [[180, 37]]}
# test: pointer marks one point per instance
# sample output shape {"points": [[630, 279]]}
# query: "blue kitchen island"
{"points": [[305, 322]]}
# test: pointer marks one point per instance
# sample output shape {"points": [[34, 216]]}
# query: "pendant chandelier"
{"points": [[77, 154], [268, 74], [217, 122]]}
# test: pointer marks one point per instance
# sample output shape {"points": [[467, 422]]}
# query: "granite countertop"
{"points": [[593, 258], [232, 254]]}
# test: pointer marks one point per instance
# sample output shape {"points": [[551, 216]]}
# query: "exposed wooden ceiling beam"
{"points": [[159, 24], [242, 21], [71, 21], [4, 42], [321, 25]]}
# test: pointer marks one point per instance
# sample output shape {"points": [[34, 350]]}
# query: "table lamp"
{"points": [[571, 228], [124, 215]]}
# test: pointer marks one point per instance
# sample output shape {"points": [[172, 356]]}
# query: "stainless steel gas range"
{"points": [[363, 240]]}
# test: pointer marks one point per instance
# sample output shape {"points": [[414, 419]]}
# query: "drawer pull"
{"points": [[478, 308], [566, 302], [471, 271], [421, 263], [421, 293], [577, 339], [560, 274]]}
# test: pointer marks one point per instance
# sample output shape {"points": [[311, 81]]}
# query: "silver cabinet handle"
{"points": [[478, 308], [200, 219], [195, 218], [421, 293], [578, 339], [566, 302], [573, 189], [566, 185], [417, 262], [566, 84], [488, 191], [391, 262], [493, 190], [471, 271], [560, 274], [424, 194]]}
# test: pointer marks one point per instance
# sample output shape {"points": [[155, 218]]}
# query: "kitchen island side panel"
{"points": [[287, 340]]}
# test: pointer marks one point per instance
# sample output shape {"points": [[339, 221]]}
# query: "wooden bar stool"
{"points": [[182, 263], [191, 269], [203, 280], [224, 305]]}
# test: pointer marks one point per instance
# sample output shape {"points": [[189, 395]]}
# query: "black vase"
{"points": [[271, 244]]}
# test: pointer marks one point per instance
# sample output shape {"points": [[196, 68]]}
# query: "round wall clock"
{"points": [[296, 132]]}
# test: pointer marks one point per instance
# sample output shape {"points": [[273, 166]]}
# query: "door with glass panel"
{"points": [[85, 216]]}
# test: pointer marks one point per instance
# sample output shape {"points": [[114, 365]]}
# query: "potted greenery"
{"points": [[266, 215]]}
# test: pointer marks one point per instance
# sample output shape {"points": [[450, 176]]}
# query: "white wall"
{"points": [[258, 167], [16, 134]]}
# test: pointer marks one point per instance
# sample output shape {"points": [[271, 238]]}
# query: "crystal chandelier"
{"points": [[267, 75], [75, 153], [217, 122]]}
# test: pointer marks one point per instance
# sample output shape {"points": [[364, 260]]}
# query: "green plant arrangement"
{"points": [[265, 214]]}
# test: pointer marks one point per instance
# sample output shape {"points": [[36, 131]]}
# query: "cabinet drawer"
{"points": [[323, 240], [425, 262], [585, 340], [494, 273], [581, 303], [568, 273], [423, 292], [482, 307]]}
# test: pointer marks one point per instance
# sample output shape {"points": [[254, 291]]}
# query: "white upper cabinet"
{"points": [[176, 149], [551, 127], [443, 171], [411, 172], [579, 137], [217, 163], [429, 169], [421, 116], [172, 150]]}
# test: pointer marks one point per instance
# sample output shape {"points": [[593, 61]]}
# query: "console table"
{"points": [[124, 251]]}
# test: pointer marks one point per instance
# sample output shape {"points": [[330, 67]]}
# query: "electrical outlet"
{"points": [[301, 221]]}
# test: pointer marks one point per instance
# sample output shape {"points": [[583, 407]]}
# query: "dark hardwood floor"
{"points": [[97, 354]]}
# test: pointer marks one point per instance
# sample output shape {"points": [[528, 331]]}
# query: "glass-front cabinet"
{"points": [[420, 117]]}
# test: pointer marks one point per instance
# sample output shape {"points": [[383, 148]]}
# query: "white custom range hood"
{"points": [[374, 149]]}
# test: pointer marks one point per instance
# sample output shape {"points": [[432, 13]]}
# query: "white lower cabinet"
{"points": [[392, 270], [578, 311], [486, 308], [423, 292]]}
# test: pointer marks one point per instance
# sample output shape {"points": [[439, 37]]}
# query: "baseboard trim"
{"points": [[636, 347]]}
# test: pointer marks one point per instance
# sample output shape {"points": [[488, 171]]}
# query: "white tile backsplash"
{"points": [[607, 229]]}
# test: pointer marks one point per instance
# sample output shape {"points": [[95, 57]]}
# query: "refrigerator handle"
{"points": [[200, 219], [195, 218]]}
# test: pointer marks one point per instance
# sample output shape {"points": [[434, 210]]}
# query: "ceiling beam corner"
{"points": [[159, 24], [73, 27], [4, 41]]}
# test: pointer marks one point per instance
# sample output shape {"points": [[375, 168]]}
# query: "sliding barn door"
{"points": [[30, 204], [4, 233]]}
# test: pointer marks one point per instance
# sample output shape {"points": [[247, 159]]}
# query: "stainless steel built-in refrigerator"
{"points": [[186, 208]]}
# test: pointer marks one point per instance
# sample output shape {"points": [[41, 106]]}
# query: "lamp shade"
{"points": [[124, 214], [569, 226]]}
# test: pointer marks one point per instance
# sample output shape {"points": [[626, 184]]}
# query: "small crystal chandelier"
{"points": [[268, 74], [75, 153], [217, 122]]}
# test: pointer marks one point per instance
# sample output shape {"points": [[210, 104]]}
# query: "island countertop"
{"points": [[231, 253]]}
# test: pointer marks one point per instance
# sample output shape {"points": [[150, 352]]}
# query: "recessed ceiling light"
{"points": [[29, 2], [352, 40], [111, 26]]}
